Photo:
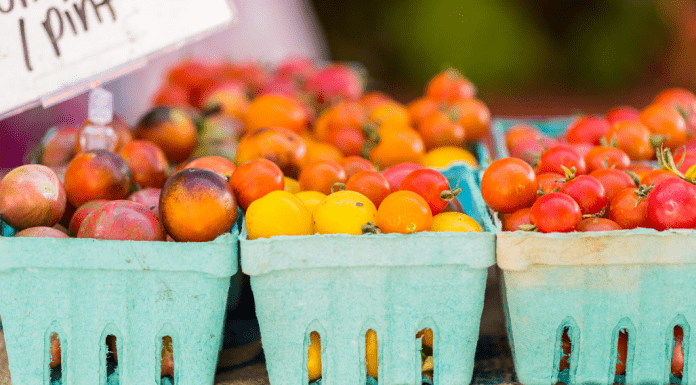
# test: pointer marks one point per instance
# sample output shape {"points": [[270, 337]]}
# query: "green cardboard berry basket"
{"points": [[86, 289], [593, 286], [341, 286]]}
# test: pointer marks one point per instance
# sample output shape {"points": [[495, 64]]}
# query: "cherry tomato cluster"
{"points": [[595, 177]]}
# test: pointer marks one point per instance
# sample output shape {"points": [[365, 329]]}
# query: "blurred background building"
{"points": [[527, 57]]}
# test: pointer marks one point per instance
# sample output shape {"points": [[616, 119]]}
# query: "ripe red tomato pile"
{"points": [[596, 176]]}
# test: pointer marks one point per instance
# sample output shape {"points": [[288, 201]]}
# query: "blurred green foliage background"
{"points": [[504, 46]]}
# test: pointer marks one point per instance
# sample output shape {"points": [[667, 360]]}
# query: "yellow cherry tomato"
{"points": [[391, 112], [344, 212], [292, 186], [426, 336], [277, 213], [443, 157], [314, 356], [311, 199], [454, 221], [371, 354]]}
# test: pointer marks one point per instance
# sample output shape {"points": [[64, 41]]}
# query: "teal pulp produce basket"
{"points": [[341, 286], [592, 286], [85, 290]]}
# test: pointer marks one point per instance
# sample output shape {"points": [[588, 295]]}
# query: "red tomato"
{"points": [[640, 169], [622, 113], [689, 160], [449, 85], [372, 184], [613, 181], [432, 186], [678, 97], [254, 179], [555, 212], [588, 192], [597, 224], [606, 157], [582, 148], [671, 205], [355, 164], [549, 182], [587, 129], [517, 219], [562, 155], [508, 185], [321, 175], [396, 174], [627, 211]]}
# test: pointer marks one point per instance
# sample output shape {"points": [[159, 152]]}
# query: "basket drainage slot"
{"points": [[167, 362], [566, 350], [55, 357], [678, 358], [621, 357], [371, 355], [314, 356], [427, 357], [111, 355]]}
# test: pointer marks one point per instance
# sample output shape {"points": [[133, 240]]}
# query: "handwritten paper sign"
{"points": [[48, 47]]}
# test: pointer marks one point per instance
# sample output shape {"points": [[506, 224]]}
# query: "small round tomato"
{"points": [[311, 199], [373, 99], [218, 164], [445, 156], [281, 146], [622, 113], [555, 212], [397, 144], [449, 86], [274, 110], [520, 217], [322, 151], [520, 133], [396, 174], [81, 213], [549, 182], [677, 97], [345, 114], [277, 213], [613, 181], [404, 212], [438, 130], [432, 186], [555, 158], [530, 148], [597, 224], [321, 175], [654, 177], [640, 169], [421, 108], [355, 164], [348, 140], [508, 185], [454, 221], [588, 192], [372, 184], [254, 179], [633, 137], [671, 205], [344, 212], [587, 129], [474, 116], [667, 122], [291, 185], [390, 113], [606, 157], [582, 148], [684, 161], [628, 210]]}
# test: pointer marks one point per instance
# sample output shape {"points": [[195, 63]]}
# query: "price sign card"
{"points": [[50, 47]]}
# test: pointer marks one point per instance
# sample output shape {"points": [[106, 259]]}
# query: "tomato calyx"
{"points": [[528, 227], [611, 143], [448, 195], [338, 187], [370, 228], [634, 176], [665, 161], [569, 172], [643, 192]]}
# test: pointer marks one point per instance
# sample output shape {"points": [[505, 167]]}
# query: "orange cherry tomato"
{"points": [[321, 175], [508, 185], [347, 139], [281, 146], [597, 224], [345, 114], [633, 138], [355, 164], [449, 85], [372, 184], [474, 116], [322, 151], [549, 181], [520, 217], [421, 108], [438, 130], [273, 110], [641, 169], [254, 179], [397, 144], [404, 212], [373, 99], [392, 112], [654, 177], [667, 122]]}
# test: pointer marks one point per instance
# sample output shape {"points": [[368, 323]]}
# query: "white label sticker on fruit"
{"points": [[53, 46]]}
